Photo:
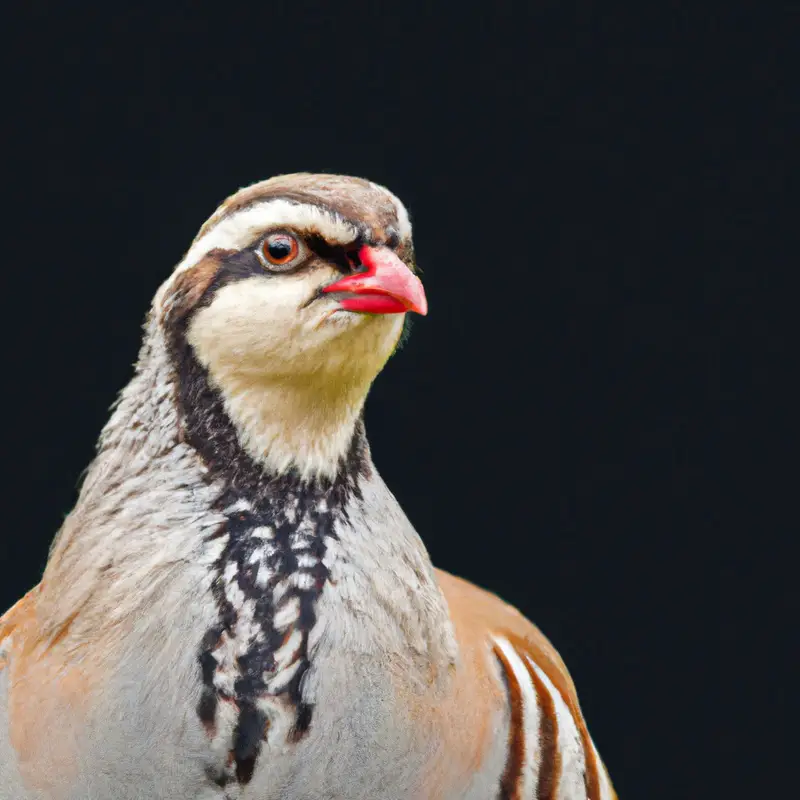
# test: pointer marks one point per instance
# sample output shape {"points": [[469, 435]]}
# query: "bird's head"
{"points": [[292, 297]]}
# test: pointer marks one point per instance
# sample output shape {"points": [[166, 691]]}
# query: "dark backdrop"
{"points": [[582, 423]]}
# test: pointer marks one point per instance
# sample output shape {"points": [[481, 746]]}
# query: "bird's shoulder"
{"points": [[43, 696], [549, 743], [15, 625], [481, 617]]}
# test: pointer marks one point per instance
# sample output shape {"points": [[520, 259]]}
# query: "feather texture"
{"points": [[238, 607]]}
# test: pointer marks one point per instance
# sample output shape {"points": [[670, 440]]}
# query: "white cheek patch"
{"points": [[249, 321], [292, 383], [239, 230]]}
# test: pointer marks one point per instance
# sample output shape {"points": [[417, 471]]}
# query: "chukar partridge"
{"points": [[237, 606]]}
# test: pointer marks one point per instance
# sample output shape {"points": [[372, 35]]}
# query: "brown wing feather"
{"points": [[486, 611], [481, 615]]}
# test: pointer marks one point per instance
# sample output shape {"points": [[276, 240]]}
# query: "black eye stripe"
{"points": [[339, 255], [236, 267], [248, 263]]}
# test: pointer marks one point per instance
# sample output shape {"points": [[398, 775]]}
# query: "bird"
{"points": [[237, 606]]}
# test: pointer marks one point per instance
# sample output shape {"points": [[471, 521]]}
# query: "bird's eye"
{"points": [[279, 249]]}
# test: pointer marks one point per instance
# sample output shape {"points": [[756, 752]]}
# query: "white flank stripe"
{"points": [[529, 775], [571, 785], [605, 783]]}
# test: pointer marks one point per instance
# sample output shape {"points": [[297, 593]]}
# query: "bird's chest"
{"points": [[328, 712], [305, 685], [255, 656], [360, 742], [376, 731], [320, 714], [307, 675]]}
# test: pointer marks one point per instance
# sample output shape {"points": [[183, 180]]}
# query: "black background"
{"points": [[585, 422]]}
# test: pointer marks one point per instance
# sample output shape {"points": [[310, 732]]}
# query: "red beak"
{"points": [[387, 286]]}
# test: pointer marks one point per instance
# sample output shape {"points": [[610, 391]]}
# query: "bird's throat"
{"points": [[300, 426]]}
